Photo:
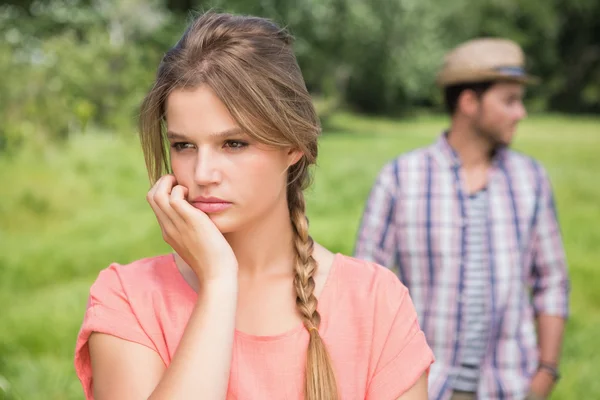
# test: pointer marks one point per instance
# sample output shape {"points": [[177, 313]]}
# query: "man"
{"points": [[472, 230]]}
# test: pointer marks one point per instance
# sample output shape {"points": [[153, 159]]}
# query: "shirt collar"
{"points": [[448, 157]]}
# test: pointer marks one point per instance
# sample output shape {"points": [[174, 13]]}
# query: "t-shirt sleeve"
{"points": [[108, 311], [400, 352]]}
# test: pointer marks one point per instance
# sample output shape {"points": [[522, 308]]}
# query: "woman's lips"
{"points": [[210, 204]]}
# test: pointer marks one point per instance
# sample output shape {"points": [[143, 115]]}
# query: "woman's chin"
{"points": [[224, 223]]}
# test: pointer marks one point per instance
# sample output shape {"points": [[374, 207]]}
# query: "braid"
{"points": [[305, 267], [320, 379]]}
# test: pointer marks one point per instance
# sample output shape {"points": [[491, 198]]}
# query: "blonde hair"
{"points": [[250, 65]]}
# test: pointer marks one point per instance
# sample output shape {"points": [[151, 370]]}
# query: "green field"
{"points": [[67, 212]]}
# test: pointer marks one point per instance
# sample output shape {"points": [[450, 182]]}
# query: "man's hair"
{"points": [[452, 93]]}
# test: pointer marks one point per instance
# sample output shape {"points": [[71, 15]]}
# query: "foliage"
{"points": [[79, 63], [68, 211]]}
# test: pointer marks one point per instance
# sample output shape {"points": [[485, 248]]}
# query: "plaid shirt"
{"points": [[415, 220]]}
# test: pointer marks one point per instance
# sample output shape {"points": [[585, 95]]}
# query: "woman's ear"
{"points": [[294, 155]]}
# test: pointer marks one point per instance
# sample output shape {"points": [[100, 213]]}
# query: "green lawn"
{"points": [[66, 213]]}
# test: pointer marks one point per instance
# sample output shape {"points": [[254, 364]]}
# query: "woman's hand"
{"points": [[191, 233]]}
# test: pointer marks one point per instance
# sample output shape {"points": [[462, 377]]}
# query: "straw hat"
{"points": [[481, 60]]}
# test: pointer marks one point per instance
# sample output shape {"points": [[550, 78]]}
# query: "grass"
{"points": [[68, 212]]}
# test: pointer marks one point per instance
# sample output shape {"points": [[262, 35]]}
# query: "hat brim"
{"points": [[450, 79]]}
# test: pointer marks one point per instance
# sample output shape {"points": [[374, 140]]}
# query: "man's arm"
{"points": [[376, 235], [550, 334], [550, 289]]}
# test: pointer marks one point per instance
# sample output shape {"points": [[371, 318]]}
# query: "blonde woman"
{"points": [[247, 306]]}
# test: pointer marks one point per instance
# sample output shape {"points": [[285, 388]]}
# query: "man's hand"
{"points": [[541, 386]]}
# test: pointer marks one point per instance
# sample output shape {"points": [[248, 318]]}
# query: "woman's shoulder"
{"points": [[374, 309], [123, 302], [145, 274], [366, 277], [367, 291]]}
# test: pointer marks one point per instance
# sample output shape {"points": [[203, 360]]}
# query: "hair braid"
{"points": [[320, 381]]}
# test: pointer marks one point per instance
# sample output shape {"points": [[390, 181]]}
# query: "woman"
{"points": [[248, 306]]}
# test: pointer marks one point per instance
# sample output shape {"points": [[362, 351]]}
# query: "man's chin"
{"points": [[503, 141], [498, 146], [503, 145]]}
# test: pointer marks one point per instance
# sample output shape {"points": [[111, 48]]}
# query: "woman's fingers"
{"points": [[189, 231], [183, 208], [158, 198], [178, 194], [162, 191], [162, 197]]}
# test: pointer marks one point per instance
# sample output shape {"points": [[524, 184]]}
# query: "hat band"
{"points": [[512, 71]]}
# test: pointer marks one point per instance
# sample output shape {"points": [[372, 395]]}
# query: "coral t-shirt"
{"points": [[368, 323]]}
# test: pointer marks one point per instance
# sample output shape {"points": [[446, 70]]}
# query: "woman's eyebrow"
{"points": [[220, 135]]}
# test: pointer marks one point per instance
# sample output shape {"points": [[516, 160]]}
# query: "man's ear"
{"points": [[468, 103]]}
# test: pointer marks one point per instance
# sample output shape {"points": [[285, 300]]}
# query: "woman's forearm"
{"points": [[201, 364]]}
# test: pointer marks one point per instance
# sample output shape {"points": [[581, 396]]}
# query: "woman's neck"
{"points": [[265, 246]]}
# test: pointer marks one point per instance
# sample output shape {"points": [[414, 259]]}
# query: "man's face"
{"points": [[499, 112]]}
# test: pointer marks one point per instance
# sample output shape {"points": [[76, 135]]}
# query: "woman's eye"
{"points": [[235, 144], [178, 146]]}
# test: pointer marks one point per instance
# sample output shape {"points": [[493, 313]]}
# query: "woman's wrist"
{"points": [[226, 284]]}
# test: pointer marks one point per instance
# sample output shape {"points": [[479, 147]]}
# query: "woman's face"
{"points": [[235, 180]]}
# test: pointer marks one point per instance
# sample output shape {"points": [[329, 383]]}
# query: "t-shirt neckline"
{"points": [[323, 301]]}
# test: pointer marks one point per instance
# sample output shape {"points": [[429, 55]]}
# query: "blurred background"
{"points": [[73, 72]]}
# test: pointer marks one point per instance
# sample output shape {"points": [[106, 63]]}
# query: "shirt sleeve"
{"points": [[400, 351], [376, 239], [108, 311], [549, 270]]}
